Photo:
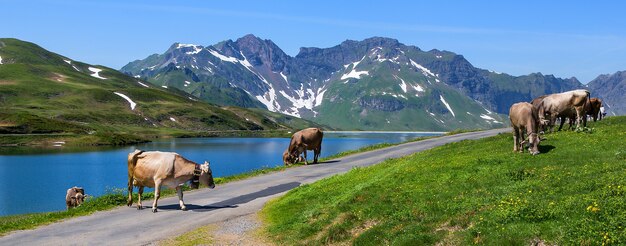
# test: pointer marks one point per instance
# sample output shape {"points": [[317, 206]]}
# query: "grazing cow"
{"points": [[563, 104], [524, 118], [154, 169], [74, 197], [594, 108], [536, 102], [301, 141]]}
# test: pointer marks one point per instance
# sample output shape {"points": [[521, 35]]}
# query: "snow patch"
{"points": [[425, 71], [319, 97], [418, 88], [489, 119], [96, 72], [142, 84], [447, 105], [172, 119], [403, 85], [132, 104], [187, 83], [137, 76], [439, 57], [196, 50], [486, 117], [269, 99], [353, 73], [185, 45], [284, 77], [223, 57], [164, 86]]}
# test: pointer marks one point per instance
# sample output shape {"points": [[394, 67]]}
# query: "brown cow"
{"points": [[524, 118], [154, 169], [594, 108], [563, 104], [74, 197], [301, 141]]}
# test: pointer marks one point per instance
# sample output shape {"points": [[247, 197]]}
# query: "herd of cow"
{"points": [[542, 112], [156, 169]]}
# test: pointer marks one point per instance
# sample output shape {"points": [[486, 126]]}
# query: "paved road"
{"points": [[125, 226]]}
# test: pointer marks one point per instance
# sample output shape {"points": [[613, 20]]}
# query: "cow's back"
{"points": [[312, 137], [153, 165], [563, 103], [521, 114]]}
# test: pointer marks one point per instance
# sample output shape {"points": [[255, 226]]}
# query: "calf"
{"points": [[524, 119], [74, 197]]}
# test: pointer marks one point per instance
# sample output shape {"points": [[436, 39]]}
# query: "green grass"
{"points": [[573, 193]]}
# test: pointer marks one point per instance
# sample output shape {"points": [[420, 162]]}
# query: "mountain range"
{"points": [[374, 84], [44, 92]]}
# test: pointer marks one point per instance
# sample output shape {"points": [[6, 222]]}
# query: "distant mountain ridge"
{"points": [[377, 83]]}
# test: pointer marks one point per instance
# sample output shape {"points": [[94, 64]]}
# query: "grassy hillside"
{"points": [[470, 192], [47, 97]]}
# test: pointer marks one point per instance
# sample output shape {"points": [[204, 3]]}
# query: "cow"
{"points": [[524, 119], [74, 197], [301, 141], [563, 104], [593, 109], [155, 169]]}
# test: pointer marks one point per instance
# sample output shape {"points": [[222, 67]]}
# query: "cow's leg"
{"points": [[179, 191], [562, 122], [157, 194], [139, 193], [316, 153], [306, 162], [515, 140], [552, 122], [130, 191], [579, 118]]}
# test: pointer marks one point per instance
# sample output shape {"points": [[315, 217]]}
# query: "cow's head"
{"points": [[80, 198], [288, 158], [206, 175], [533, 140]]}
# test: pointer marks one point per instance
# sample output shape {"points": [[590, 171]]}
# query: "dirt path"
{"points": [[224, 206]]}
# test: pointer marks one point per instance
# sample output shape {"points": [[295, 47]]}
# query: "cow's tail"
{"points": [[132, 162], [588, 101]]}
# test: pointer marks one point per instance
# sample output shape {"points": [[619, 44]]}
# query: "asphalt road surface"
{"points": [[125, 226]]}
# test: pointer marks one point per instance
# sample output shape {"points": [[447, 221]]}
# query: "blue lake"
{"points": [[37, 182]]}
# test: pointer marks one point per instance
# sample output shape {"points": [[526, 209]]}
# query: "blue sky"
{"points": [[565, 38]]}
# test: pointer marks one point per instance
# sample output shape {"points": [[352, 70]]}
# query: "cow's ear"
{"points": [[207, 163]]}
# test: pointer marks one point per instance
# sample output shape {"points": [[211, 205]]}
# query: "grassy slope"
{"points": [[40, 93], [413, 116], [470, 192]]}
